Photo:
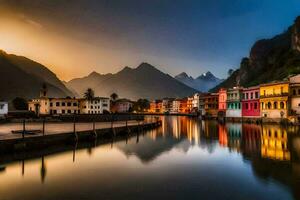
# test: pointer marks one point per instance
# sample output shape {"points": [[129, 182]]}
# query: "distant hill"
{"points": [[269, 60], [203, 83], [22, 77], [145, 81]]}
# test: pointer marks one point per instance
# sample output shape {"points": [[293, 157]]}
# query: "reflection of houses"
{"points": [[250, 102], [3, 109], [223, 139], [234, 106], [234, 132], [251, 139], [274, 100], [274, 143]]}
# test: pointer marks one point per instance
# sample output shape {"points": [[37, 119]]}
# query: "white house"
{"points": [[3, 109], [95, 106], [295, 93]]}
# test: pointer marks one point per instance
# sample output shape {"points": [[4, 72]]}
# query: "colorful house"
{"points": [[155, 106], [222, 101], [166, 106], [250, 102], [295, 94], [274, 100], [211, 104], [234, 105], [196, 102]]}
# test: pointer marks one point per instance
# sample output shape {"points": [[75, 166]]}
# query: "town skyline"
{"points": [[106, 36]]}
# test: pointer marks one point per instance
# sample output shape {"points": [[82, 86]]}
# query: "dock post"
{"points": [[44, 126], [23, 132], [74, 128]]}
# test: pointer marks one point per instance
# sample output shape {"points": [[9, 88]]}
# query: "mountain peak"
{"points": [[207, 75], [145, 65], [182, 75], [94, 73]]}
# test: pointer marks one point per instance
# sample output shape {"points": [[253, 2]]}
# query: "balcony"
{"points": [[275, 95]]}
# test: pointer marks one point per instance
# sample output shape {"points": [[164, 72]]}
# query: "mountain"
{"points": [[203, 83], [22, 77], [269, 60], [145, 81]]}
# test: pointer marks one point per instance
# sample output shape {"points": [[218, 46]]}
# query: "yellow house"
{"points": [[274, 143], [274, 100]]}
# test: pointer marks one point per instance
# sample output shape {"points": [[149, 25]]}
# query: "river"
{"points": [[184, 159]]}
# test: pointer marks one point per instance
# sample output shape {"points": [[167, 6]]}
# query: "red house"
{"points": [[250, 102], [222, 100]]}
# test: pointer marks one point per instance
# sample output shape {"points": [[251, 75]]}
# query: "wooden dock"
{"points": [[39, 142]]}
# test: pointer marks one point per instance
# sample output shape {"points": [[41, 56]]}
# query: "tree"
{"points": [[89, 94], [20, 103], [141, 105], [114, 96], [230, 72]]}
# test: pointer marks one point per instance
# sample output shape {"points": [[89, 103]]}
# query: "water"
{"points": [[184, 159]]}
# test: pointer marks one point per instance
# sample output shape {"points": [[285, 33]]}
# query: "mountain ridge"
{"points": [[272, 59], [203, 82], [144, 81]]}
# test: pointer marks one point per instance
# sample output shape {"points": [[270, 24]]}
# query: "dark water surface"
{"points": [[184, 159]]}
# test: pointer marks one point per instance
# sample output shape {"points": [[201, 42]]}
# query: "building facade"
{"points": [[250, 102], [274, 100], [295, 94], [122, 106], [97, 105], [222, 101], [53, 106], [195, 103], [234, 105], [211, 104], [3, 109]]}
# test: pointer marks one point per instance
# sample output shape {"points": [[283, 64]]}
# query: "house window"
{"points": [[51, 104], [69, 104], [282, 105], [57, 103], [294, 92], [251, 95], [69, 111], [269, 105], [63, 104], [298, 91], [275, 105], [255, 105], [63, 111], [256, 95], [54, 111], [74, 104], [246, 105]]}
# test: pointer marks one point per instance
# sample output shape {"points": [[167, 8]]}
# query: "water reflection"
{"points": [[262, 159]]}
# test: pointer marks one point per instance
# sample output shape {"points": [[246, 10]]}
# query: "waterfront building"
{"points": [[96, 105], [202, 103], [250, 102], [274, 143], [155, 106], [211, 104], [190, 104], [195, 102], [183, 106], [222, 102], [53, 106], [274, 100], [166, 106], [175, 106], [295, 94], [122, 106], [3, 109], [234, 106]]}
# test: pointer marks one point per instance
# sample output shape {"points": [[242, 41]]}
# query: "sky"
{"points": [[75, 37]]}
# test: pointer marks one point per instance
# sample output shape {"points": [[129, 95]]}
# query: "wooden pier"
{"points": [[40, 142]]}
